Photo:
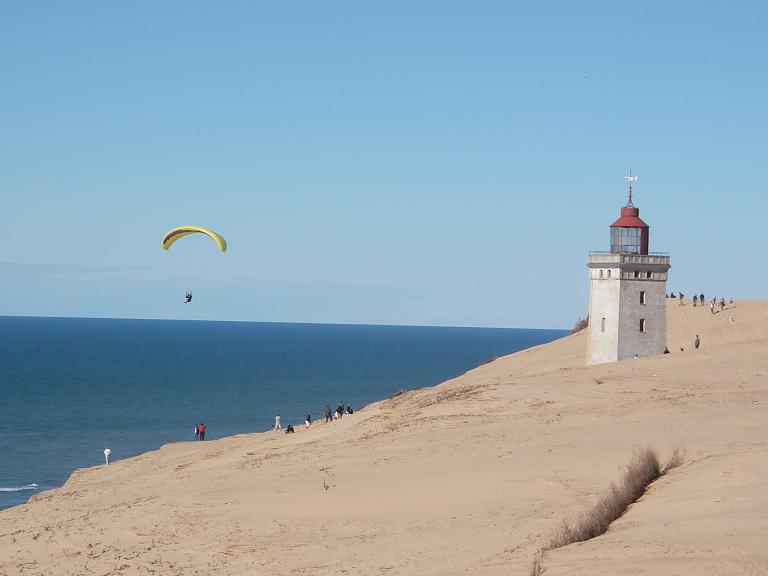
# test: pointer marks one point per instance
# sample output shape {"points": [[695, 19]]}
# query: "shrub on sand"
{"points": [[580, 325], [677, 459], [639, 473]]}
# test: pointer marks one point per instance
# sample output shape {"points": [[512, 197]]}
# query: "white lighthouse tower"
{"points": [[627, 293]]}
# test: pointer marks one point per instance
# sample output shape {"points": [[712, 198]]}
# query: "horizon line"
{"points": [[278, 322]]}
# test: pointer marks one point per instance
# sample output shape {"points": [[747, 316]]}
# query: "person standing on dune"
{"points": [[107, 455]]}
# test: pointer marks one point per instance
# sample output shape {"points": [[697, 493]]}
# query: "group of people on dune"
{"points": [[330, 415], [698, 300]]}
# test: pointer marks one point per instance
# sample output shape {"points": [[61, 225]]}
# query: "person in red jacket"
{"points": [[201, 430]]}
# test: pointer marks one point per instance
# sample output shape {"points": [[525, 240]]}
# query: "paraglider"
{"points": [[182, 231], [176, 233]]}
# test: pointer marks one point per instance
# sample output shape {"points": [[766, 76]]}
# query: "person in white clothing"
{"points": [[107, 454], [277, 423]]}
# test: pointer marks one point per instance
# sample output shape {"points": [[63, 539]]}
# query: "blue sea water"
{"points": [[71, 386]]}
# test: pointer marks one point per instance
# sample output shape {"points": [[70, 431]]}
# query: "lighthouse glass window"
{"points": [[625, 240]]}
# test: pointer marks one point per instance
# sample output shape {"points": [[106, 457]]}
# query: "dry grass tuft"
{"points": [[441, 396], [639, 473], [677, 459], [580, 325]]}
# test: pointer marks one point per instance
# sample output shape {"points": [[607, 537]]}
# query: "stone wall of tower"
{"points": [[627, 306], [633, 341], [603, 336]]}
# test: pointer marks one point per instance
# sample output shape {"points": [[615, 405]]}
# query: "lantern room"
{"points": [[629, 234]]}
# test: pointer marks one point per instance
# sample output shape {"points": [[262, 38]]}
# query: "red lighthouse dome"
{"points": [[629, 234]]}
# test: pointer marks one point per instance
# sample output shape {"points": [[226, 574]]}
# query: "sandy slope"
{"points": [[467, 477]]}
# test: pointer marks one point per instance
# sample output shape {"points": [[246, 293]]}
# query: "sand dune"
{"points": [[470, 476]]}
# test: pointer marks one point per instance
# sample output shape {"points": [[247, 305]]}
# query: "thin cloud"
{"points": [[26, 270]]}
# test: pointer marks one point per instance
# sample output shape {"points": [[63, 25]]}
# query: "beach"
{"points": [[470, 476]]}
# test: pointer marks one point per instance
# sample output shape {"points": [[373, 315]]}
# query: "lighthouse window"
{"points": [[626, 240], [601, 273], [642, 297], [642, 324], [609, 273], [637, 274], [648, 274], [602, 325]]}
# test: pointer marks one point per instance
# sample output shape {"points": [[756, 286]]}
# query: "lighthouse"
{"points": [[627, 292]]}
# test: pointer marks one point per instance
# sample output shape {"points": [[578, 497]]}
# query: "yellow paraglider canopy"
{"points": [[182, 231]]}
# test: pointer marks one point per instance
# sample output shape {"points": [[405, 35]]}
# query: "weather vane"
{"points": [[630, 179]]}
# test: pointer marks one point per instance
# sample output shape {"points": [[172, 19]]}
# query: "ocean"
{"points": [[69, 387]]}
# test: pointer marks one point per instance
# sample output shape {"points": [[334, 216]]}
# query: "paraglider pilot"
{"points": [[188, 298]]}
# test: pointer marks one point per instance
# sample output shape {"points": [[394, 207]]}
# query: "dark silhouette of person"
{"points": [[188, 298], [697, 342]]}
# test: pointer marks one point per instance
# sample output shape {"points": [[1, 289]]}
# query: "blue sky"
{"points": [[447, 163]]}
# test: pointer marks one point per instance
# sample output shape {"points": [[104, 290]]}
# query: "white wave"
{"points": [[32, 486]]}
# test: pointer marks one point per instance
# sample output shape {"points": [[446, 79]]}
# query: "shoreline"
{"points": [[220, 425]]}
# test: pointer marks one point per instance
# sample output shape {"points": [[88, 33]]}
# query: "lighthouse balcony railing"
{"points": [[608, 257], [597, 252]]}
